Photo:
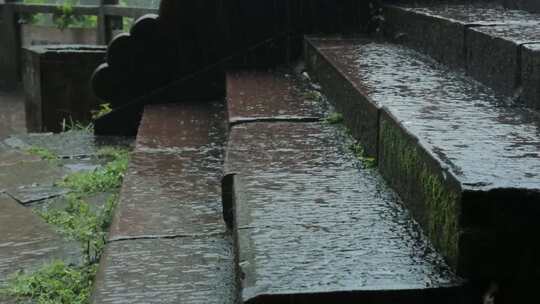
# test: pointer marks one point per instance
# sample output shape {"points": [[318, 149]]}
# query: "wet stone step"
{"points": [[180, 270], [27, 242], [503, 68], [168, 241], [270, 95], [466, 164], [484, 38], [312, 225], [439, 29]]}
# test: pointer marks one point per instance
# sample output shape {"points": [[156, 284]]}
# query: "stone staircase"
{"points": [[263, 201]]}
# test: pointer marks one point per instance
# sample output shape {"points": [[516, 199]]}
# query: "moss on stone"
{"points": [[403, 162]]}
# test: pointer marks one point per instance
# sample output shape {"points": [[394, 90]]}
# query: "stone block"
{"points": [[57, 85], [530, 75]]}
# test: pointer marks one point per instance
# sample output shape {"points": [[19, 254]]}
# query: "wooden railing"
{"points": [[108, 13]]}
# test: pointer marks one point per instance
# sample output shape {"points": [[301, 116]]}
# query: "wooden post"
{"points": [[10, 47], [104, 23]]}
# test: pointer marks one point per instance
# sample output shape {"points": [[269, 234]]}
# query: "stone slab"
{"points": [[186, 126], [530, 75], [459, 156], [312, 223], [168, 242], [270, 95], [30, 181], [27, 242], [167, 271], [439, 29], [56, 82], [168, 194], [341, 85], [173, 183], [72, 144], [502, 68]]}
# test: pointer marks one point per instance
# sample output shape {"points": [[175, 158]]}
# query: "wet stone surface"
{"points": [[173, 184], [465, 125], [184, 127], [480, 13], [168, 241], [29, 181], [167, 271], [169, 194], [493, 55], [311, 219], [71, 144], [438, 29], [530, 74], [27, 243], [270, 95]]}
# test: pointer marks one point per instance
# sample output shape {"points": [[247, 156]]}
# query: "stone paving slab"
{"points": [[311, 222], [465, 162], [270, 95], [439, 30], [170, 194], [196, 126], [72, 144], [163, 271], [168, 242], [27, 243], [30, 181]]}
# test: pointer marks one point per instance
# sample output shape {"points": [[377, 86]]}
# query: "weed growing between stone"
{"points": [[104, 179], [45, 154], [359, 152], [334, 118], [58, 283]]}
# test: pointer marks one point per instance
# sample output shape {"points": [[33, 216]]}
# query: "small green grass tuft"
{"points": [[44, 153], [56, 283], [71, 125], [78, 221], [106, 179], [334, 118], [359, 152], [102, 110]]}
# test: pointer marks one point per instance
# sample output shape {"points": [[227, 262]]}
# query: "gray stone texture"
{"points": [[484, 38], [311, 221], [494, 55], [57, 84], [168, 241], [341, 86], [528, 5], [530, 75], [167, 271], [460, 157], [277, 95], [27, 242]]}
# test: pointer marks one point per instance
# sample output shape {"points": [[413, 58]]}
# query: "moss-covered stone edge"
{"points": [[422, 186]]}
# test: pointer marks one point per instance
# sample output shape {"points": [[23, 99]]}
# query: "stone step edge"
{"points": [[139, 148], [444, 295], [455, 230], [525, 93]]}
